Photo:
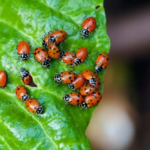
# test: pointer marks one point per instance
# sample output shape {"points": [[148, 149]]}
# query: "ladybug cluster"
{"points": [[88, 82]]}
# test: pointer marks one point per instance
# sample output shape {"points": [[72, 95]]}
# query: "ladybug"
{"points": [[68, 58], [42, 56], [102, 62], [3, 79], [88, 26], [65, 77], [53, 51], [87, 89], [57, 37], [81, 55], [92, 100], [73, 98], [23, 50], [77, 83], [21, 93], [45, 42], [26, 77], [89, 75], [34, 106]]}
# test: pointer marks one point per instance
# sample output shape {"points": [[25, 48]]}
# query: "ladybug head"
{"points": [[62, 53], [44, 43], [77, 61], [24, 73], [24, 56], [92, 81], [71, 86], [98, 69], [84, 33], [57, 78], [25, 97], [46, 63], [84, 105], [52, 39], [66, 98], [40, 110]]}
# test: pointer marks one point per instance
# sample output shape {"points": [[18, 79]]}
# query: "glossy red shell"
{"points": [[23, 47], [3, 78]]}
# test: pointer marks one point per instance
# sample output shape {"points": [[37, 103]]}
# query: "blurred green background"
{"points": [[122, 120]]}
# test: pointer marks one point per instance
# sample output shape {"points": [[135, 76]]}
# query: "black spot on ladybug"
{"points": [[61, 31], [107, 58], [70, 77], [54, 53], [70, 60], [99, 93], [57, 51], [69, 72], [63, 36], [98, 83], [30, 101], [34, 53], [36, 48], [93, 22], [97, 101], [85, 89], [18, 89], [71, 64], [54, 49], [43, 49], [78, 95], [71, 80], [87, 93], [78, 100], [92, 103], [38, 52], [91, 100], [97, 7]]}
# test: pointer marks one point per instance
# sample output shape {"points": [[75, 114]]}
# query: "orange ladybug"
{"points": [[89, 75], [68, 58], [42, 56], [77, 83], [57, 37], [87, 89], [34, 106], [88, 26], [3, 79], [92, 100], [23, 50], [26, 77], [65, 77], [21, 93], [73, 98], [102, 62], [81, 55], [45, 42], [53, 51]]}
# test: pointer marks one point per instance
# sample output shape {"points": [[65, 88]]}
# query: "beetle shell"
{"points": [[53, 51], [27, 80], [81, 55], [23, 49], [3, 78], [65, 77], [21, 93], [34, 106], [68, 58], [92, 100], [89, 23], [102, 62], [87, 89], [57, 37], [73, 98], [77, 83], [41, 55]]}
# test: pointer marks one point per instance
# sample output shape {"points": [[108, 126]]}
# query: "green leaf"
{"points": [[59, 127]]}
